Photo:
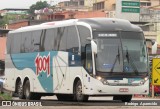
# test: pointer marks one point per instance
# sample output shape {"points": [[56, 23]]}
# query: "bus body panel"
{"points": [[53, 71]]}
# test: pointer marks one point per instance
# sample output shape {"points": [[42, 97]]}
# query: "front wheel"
{"points": [[64, 97], [123, 98], [78, 94]]}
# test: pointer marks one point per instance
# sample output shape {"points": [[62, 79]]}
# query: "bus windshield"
{"points": [[123, 52]]}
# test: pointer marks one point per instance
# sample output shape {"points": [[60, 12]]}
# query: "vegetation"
{"points": [[5, 96], [10, 17], [39, 5]]}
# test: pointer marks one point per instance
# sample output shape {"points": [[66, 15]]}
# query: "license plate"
{"points": [[123, 89]]}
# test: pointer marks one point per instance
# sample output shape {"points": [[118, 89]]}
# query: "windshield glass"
{"points": [[121, 52], [109, 56], [134, 52]]}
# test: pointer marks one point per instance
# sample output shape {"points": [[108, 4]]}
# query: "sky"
{"points": [[21, 3]]}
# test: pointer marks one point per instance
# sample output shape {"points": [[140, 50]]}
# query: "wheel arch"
{"points": [[77, 78]]}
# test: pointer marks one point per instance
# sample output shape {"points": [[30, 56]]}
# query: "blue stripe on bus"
{"points": [[27, 60], [74, 59]]}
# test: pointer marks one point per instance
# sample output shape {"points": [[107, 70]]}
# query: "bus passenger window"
{"points": [[36, 41], [48, 43], [16, 46], [72, 40], [26, 45]]}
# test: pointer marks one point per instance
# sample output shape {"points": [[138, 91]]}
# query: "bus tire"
{"points": [[64, 97], [20, 90], [123, 98], [78, 94], [126, 98], [29, 95]]}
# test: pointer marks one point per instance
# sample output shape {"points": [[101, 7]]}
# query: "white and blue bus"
{"points": [[77, 58]]}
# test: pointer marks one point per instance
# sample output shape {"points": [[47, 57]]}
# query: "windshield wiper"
{"points": [[130, 60], [117, 58]]}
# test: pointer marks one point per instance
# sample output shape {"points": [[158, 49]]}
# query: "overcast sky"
{"points": [[21, 3]]}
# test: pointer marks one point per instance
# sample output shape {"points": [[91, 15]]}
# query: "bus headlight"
{"points": [[98, 77], [104, 81], [144, 80]]}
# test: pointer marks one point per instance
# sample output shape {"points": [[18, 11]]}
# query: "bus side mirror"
{"points": [[153, 44], [94, 47], [154, 48], [150, 41]]}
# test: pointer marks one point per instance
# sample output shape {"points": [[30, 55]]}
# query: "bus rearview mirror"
{"points": [[150, 41]]}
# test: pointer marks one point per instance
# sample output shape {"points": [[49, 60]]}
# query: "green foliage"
{"points": [[6, 19], [11, 17], [5, 96], [3, 22], [39, 5]]}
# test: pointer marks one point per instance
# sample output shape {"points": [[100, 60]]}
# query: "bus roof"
{"points": [[97, 24], [110, 24]]}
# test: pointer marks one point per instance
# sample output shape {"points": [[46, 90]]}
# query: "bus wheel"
{"points": [[64, 97], [29, 95], [20, 90], [78, 92], [123, 98], [27, 92], [126, 98]]}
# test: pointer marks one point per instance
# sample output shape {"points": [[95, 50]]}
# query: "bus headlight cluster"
{"points": [[144, 80], [104, 81]]}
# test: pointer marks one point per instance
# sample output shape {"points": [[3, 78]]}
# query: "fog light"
{"points": [[105, 82], [142, 82]]}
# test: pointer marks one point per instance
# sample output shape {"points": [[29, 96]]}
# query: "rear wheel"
{"points": [[78, 93], [20, 90], [29, 95]]}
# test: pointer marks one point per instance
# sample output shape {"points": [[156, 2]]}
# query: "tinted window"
{"points": [[9, 43], [26, 42], [72, 40], [84, 33], [36, 41], [49, 39], [60, 39], [16, 43], [63, 39]]}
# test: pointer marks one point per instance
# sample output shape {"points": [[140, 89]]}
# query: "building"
{"points": [[3, 35], [77, 5], [107, 5], [14, 11], [89, 3]]}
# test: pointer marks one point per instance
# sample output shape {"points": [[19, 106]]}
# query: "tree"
{"points": [[6, 18], [39, 5]]}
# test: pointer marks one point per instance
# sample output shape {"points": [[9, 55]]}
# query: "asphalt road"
{"points": [[51, 102], [96, 103]]}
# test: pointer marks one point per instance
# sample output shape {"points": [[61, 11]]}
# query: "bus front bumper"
{"points": [[101, 89]]}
